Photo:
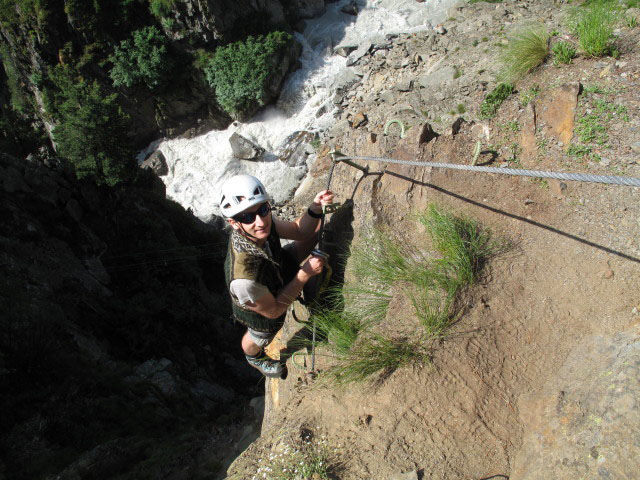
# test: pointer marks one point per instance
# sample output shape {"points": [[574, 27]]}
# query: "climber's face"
{"points": [[255, 222]]}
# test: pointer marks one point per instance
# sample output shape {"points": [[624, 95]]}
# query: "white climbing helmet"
{"points": [[239, 193]]}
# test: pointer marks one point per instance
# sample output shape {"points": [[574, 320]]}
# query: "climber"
{"points": [[262, 276]]}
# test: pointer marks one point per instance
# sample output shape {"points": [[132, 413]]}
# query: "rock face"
{"points": [[205, 21], [585, 423], [558, 109], [187, 106], [119, 318], [296, 149]]}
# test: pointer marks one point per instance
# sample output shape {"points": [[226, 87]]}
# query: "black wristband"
{"points": [[313, 214]]}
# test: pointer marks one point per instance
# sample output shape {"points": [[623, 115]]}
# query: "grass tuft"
{"points": [[464, 247], [377, 355], [349, 327], [526, 50], [593, 24], [494, 99], [563, 52]]}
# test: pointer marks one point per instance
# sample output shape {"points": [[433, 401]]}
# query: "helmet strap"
{"points": [[246, 234]]}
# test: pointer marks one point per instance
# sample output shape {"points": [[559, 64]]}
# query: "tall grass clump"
{"points": [[384, 260], [463, 244], [376, 355], [593, 24], [350, 327], [525, 51]]}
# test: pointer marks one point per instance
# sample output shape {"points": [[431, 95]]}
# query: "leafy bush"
{"points": [[593, 24], [22, 11], [92, 131], [563, 52], [161, 8], [239, 72], [18, 98], [526, 50], [494, 99], [141, 60]]}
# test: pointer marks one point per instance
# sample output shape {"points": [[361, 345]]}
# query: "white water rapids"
{"points": [[198, 166]]}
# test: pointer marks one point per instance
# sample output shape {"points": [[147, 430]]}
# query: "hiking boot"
{"points": [[267, 366]]}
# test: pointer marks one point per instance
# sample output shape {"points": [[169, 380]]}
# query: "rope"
{"points": [[576, 177]]}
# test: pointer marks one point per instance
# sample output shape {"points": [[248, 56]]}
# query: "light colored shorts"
{"points": [[262, 339]]}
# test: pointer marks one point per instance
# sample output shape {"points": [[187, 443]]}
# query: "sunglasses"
{"points": [[249, 217]]}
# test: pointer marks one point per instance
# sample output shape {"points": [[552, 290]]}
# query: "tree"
{"points": [[143, 59], [240, 71], [93, 130]]}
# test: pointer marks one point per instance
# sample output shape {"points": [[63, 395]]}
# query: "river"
{"points": [[198, 166]]}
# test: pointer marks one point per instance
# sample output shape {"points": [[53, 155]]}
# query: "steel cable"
{"points": [[576, 177]]}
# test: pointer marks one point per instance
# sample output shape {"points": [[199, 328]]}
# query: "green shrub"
{"points": [[525, 51], [143, 59], [239, 72], [593, 24], [18, 99], [563, 52], [161, 8], [494, 99], [17, 12], [92, 131]]}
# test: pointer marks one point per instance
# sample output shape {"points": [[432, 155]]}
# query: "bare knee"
{"points": [[248, 345]]}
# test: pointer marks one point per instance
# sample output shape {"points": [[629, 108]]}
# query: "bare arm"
{"points": [[272, 307], [305, 226]]}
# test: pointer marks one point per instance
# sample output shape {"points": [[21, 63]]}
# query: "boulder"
{"points": [[344, 50], [556, 109], [344, 81], [359, 120], [438, 78], [358, 53], [156, 162], [245, 149], [296, 149]]}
